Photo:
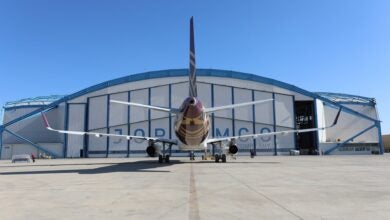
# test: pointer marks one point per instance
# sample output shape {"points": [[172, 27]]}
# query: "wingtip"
{"points": [[47, 125], [337, 117]]}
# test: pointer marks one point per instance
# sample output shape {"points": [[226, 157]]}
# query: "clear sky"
{"points": [[60, 47]]}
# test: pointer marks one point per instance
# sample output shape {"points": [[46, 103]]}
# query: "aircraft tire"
{"points": [[167, 159], [160, 158], [216, 158], [223, 158]]}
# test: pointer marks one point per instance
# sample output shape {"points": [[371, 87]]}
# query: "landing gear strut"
{"points": [[192, 155], [164, 157]]}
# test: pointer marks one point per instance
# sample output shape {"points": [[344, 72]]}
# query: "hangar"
{"points": [[357, 132]]}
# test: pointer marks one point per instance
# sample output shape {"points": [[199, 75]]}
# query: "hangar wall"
{"points": [[90, 110], [356, 134], [104, 116]]}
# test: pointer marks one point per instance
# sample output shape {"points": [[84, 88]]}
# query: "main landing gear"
{"points": [[219, 157], [192, 155], [164, 157]]}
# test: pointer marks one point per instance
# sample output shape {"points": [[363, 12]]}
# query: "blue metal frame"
{"points": [[233, 114], [274, 117], [23, 106], [149, 112], [348, 140], [108, 125], [295, 124], [128, 123], [1, 140], [381, 146], [316, 136], [31, 143], [212, 117], [347, 99], [66, 127], [170, 106], [254, 121], [86, 137]]}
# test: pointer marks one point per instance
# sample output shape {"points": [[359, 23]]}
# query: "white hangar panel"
{"points": [[223, 96], [138, 114], [179, 93], [159, 97], [97, 112], [160, 127], [76, 122], [321, 120], [243, 113], [97, 146], [135, 85], [223, 127], [366, 110], [285, 143], [33, 128], [248, 84], [138, 147], [11, 114], [348, 126], [264, 112], [204, 94], [118, 145], [242, 128], [265, 145], [284, 110], [118, 112]]}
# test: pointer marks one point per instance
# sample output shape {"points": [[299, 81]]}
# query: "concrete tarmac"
{"points": [[283, 187]]}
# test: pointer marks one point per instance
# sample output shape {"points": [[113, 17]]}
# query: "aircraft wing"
{"points": [[96, 134], [168, 110], [214, 140], [213, 109]]}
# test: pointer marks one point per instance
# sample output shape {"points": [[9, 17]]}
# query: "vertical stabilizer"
{"points": [[192, 73]]}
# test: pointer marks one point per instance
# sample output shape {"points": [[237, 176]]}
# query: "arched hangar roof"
{"points": [[181, 72]]}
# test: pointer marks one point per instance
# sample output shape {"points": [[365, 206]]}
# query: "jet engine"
{"points": [[233, 149], [153, 150]]}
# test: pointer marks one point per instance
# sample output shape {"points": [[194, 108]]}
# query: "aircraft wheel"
{"points": [[160, 158], [216, 158], [167, 159], [223, 158]]}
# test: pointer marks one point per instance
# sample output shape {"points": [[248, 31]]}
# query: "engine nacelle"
{"points": [[153, 150], [233, 149]]}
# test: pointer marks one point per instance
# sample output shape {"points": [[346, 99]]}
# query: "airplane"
{"points": [[192, 123]]}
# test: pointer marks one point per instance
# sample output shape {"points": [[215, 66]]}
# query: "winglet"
{"points": [[337, 117], [47, 125]]}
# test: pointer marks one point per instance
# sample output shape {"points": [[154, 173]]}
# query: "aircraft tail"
{"points": [[192, 71]]}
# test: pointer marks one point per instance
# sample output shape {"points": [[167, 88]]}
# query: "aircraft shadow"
{"points": [[137, 166]]}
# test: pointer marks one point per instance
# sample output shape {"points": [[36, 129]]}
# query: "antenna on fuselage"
{"points": [[192, 71]]}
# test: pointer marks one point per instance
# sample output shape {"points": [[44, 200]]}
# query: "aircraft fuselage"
{"points": [[192, 125]]}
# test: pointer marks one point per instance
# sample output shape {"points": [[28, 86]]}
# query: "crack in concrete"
{"points": [[263, 195]]}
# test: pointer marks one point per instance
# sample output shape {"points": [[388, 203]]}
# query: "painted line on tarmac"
{"points": [[194, 208]]}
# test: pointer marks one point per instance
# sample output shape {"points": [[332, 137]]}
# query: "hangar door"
{"points": [[304, 117]]}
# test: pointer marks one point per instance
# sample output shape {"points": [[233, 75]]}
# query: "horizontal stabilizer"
{"points": [[174, 111]]}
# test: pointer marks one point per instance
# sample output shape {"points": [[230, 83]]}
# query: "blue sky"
{"points": [[60, 47]]}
